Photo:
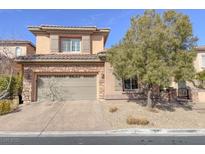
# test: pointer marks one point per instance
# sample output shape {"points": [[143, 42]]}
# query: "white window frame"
{"points": [[18, 51], [203, 61], [73, 43]]}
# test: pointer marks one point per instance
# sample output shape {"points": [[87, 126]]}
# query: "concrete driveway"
{"points": [[60, 116]]}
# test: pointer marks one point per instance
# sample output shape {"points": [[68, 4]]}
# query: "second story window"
{"points": [[203, 61], [70, 45], [18, 51]]}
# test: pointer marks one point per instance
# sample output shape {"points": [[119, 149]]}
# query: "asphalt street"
{"points": [[104, 140]]}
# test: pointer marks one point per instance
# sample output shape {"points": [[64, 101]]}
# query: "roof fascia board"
{"points": [[58, 61]]}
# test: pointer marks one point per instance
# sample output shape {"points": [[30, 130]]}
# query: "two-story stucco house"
{"points": [[69, 65]]}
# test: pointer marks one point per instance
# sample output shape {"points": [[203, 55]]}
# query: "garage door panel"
{"points": [[67, 87]]}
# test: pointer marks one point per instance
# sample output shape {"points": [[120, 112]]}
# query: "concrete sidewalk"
{"points": [[120, 132]]}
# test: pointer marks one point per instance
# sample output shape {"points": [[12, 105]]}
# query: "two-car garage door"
{"points": [[66, 87]]}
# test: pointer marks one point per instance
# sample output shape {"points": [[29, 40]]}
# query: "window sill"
{"points": [[130, 91], [68, 52]]}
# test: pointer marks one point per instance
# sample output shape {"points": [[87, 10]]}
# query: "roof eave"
{"points": [[35, 29], [202, 49], [18, 43], [58, 61]]}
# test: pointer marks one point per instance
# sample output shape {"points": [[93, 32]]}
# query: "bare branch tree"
{"points": [[7, 67], [53, 91]]}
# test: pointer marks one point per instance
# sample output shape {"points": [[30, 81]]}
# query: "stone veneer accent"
{"points": [[30, 70]]}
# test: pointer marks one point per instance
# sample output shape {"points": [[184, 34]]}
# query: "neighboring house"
{"points": [[194, 93], [199, 64], [200, 59], [15, 48], [187, 89]]}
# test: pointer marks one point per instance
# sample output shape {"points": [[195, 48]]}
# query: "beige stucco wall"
{"points": [[97, 43], [201, 96], [198, 67], [42, 44], [109, 81], [198, 61], [111, 91]]}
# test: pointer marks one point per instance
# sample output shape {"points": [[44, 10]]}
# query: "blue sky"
{"points": [[14, 23]]}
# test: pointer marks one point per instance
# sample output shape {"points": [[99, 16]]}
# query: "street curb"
{"points": [[119, 132]]}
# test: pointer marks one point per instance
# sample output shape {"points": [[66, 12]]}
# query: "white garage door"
{"points": [[62, 88]]}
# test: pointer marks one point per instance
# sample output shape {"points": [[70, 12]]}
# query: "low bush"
{"points": [[5, 106], [15, 86], [113, 109], [137, 121]]}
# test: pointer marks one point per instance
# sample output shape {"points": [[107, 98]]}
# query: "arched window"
{"points": [[18, 51]]}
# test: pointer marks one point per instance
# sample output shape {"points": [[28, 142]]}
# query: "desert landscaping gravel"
{"points": [[178, 118]]}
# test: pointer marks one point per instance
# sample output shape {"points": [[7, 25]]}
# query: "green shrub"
{"points": [[15, 86], [5, 106], [200, 75]]}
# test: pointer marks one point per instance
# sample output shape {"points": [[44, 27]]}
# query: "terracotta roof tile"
{"points": [[200, 48], [61, 27], [58, 58], [7, 42]]}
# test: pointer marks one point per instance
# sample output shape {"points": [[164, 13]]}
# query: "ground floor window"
{"points": [[130, 84]]}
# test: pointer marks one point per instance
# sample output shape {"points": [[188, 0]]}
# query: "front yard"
{"points": [[179, 117], [90, 116]]}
